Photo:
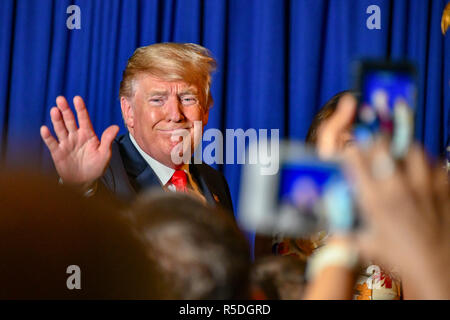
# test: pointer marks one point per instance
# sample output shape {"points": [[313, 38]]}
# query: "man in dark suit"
{"points": [[165, 99]]}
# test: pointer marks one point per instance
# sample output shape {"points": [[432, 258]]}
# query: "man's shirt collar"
{"points": [[163, 172]]}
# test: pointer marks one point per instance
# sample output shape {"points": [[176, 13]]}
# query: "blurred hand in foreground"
{"points": [[406, 207], [334, 135]]}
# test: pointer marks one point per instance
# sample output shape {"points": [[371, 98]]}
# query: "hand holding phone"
{"points": [[306, 196]]}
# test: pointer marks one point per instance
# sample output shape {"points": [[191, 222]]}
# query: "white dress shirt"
{"points": [[165, 173]]}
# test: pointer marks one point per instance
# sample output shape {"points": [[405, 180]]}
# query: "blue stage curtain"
{"points": [[279, 61]]}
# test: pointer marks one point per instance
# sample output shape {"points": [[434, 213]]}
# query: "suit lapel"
{"points": [[140, 173], [206, 186], [147, 179]]}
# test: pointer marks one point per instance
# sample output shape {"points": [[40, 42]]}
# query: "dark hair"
{"points": [[324, 114], [199, 249], [278, 275], [45, 228]]}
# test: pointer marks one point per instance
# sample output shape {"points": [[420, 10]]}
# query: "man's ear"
{"points": [[127, 112]]}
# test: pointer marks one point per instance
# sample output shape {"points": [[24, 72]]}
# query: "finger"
{"points": [[83, 116], [49, 140], [366, 244], [417, 168], [441, 190], [357, 167], [107, 138], [441, 183], [365, 188], [346, 110], [383, 167], [67, 114], [343, 117], [391, 183], [58, 123], [331, 130], [419, 177]]}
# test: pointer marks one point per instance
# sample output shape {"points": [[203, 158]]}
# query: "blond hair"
{"points": [[187, 62]]}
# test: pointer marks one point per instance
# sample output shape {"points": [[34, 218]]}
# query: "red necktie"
{"points": [[179, 180]]}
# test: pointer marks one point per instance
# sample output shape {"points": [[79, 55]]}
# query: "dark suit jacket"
{"points": [[128, 174]]}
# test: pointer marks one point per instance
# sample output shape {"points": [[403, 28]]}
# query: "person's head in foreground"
{"points": [[198, 249], [278, 277], [164, 92], [55, 244]]}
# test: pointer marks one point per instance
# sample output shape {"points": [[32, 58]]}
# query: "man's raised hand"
{"points": [[79, 157]]}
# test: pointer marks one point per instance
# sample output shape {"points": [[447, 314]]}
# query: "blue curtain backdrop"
{"points": [[279, 61]]}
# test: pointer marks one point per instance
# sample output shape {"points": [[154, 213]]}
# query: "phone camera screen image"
{"points": [[313, 197], [386, 106]]}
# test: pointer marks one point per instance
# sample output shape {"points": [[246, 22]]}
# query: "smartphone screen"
{"points": [[386, 105], [317, 197]]}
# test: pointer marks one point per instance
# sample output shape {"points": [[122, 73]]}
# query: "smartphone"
{"points": [[306, 196], [386, 104]]}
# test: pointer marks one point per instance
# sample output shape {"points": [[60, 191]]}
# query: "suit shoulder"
{"points": [[210, 171]]}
